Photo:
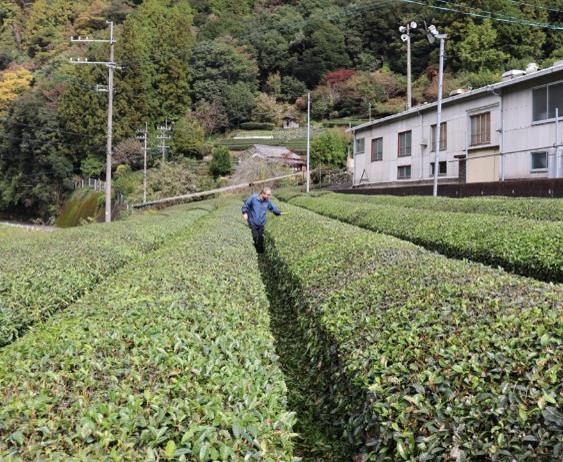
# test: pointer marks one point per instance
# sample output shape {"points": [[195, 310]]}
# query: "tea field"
{"points": [[372, 329]]}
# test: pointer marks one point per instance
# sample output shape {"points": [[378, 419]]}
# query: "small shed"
{"points": [[290, 122]]}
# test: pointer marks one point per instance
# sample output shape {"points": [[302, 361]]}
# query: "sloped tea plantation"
{"points": [[413, 356], [528, 247], [170, 359], [165, 337], [41, 274]]}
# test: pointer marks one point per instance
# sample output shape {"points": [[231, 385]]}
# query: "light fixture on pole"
{"points": [[432, 34], [406, 37]]}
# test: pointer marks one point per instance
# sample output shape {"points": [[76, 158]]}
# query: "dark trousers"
{"points": [[258, 237]]}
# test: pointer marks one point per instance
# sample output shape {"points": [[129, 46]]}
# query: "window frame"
{"points": [[409, 132], [399, 167], [440, 163], [356, 144], [378, 155], [547, 112], [443, 137], [480, 141], [538, 170]]}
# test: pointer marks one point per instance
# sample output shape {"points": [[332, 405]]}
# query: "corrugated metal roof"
{"points": [[277, 152], [470, 94]]}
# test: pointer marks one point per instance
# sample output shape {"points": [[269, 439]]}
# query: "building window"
{"points": [[359, 146], [539, 161], [545, 100], [376, 149], [405, 143], [443, 137], [443, 168], [481, 129], [403, 172]]}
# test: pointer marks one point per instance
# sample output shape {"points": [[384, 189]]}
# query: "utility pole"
{"points": [[308, 140], [556, 142], [143, 136], [164, 137], [111, 67], [432, 35], [406, 37], [369, 112]]}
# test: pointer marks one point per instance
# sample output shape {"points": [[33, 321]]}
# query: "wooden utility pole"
{"points": [[109, 89]]}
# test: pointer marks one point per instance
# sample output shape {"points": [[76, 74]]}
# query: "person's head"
{"points": [[265, 194]]}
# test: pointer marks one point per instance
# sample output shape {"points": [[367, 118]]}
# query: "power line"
{"points": [[481, 10], [536, 6], [489, 15]]}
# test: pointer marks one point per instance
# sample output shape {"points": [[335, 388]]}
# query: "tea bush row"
{"points": [[522, 207], [414, 356], [527, 247], [172, 359], [42, 274]]}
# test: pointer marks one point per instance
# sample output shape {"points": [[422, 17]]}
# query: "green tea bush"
{"points": [[522, 207], [43, 274], [414, 356], [172, 359], [527, 247]]}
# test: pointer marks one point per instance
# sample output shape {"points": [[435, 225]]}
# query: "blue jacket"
{"points": [[257, 208]]}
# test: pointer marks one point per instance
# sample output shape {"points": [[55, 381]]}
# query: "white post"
{"points": [[308, 141], [145, 163], [409, 76], [556, 143], [442, 38]]}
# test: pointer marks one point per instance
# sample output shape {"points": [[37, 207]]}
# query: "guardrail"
{"points": [[212, 191]]}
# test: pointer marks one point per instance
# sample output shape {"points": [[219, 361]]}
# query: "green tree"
{"points": [[329, 149], [323, 49], [221, 164], [479, 48], [188, 138], [215, 66], [36, 173], [239, 102]]}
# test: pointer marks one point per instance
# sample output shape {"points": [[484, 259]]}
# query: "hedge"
{"points": [[257, 126], [43, 274], [526, 247], [172, 359], [414, 356], [524, 207]]}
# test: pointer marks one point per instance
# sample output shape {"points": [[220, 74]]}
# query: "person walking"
{"points": [[254, 211]]}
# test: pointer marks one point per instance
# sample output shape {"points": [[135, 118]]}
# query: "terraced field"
{"points": [[165, 337]]}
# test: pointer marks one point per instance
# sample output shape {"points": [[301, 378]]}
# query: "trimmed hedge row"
{"points": [[521, 207], [257, 126], [414, 356], [526, 247], [43, 274], [172, 359]]}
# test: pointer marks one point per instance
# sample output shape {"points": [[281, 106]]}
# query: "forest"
{"points": [[208, 66]]}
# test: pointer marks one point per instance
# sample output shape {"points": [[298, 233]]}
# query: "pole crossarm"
{"points": [[211, 191]]}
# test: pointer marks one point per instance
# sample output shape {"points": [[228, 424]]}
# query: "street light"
{"points": [[432, 34], [406, 37]]}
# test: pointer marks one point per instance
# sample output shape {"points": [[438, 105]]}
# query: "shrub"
{"points": [[43, 274], [526, 247], [525, 207], [257, 126], [413, 356], [221, 164], [167, 361]]}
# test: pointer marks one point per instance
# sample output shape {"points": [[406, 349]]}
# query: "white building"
{"points": [[500, 132]]}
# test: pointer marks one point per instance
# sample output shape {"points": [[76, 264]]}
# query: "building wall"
{"points": [[457, 117], [522, 135]]}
